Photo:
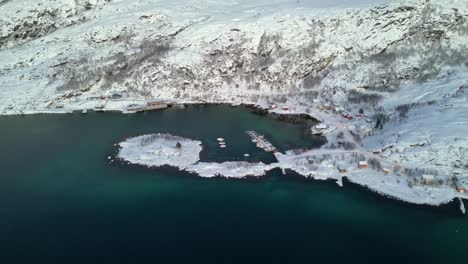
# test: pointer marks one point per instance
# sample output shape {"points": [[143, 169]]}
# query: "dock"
{"points": [[261, 141]]}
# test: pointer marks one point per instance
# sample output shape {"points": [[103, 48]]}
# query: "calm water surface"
{"points": [[61, 201]]}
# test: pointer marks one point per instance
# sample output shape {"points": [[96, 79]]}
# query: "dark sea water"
{"points": [[61, 201]]}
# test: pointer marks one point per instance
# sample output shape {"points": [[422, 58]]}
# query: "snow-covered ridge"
{"points": [[24, 20], [201, 50]]}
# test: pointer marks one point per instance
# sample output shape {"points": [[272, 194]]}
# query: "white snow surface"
{"points": [[230, 169], [220, 50], [157, 150], [434, 132]]}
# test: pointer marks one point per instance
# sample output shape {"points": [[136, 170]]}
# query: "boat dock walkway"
{"points": [[261, 142]]}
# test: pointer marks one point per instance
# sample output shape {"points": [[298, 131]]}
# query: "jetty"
{"points": [[261, 141]]}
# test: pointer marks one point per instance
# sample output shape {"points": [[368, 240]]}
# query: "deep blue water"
{"points": [[62, 202]]}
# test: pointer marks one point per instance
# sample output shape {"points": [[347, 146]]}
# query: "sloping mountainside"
{"points": [[159, 49], [404, 64]]}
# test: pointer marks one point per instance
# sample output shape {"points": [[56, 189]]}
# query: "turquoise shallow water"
{"points": [[61, 201]]}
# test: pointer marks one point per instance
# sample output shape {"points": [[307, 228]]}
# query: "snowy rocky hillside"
{"points": [[197, 49], [383, 58]]}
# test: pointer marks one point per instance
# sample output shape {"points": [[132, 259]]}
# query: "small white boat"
{"points": [[220, 139]]}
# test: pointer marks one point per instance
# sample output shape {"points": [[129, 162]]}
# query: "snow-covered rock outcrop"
{"points": [[25, 20], [160, 149]]}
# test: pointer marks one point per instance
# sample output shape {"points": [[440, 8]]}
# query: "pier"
{"points": [[261, 141]]}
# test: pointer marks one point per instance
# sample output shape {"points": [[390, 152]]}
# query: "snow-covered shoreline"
{"points": [[160, 150]]}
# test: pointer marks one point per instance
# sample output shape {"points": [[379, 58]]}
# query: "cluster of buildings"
{"points": [[284, 108], [321, 129], [118, 102], [461, 184], [426, 179], [330, 107], [150, 105]]}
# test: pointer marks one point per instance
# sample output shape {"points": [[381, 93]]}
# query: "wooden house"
{"points": [[363, 164]]}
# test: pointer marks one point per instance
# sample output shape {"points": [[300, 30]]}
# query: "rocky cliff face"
{"points": [[23, 21], [349, 56]]}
